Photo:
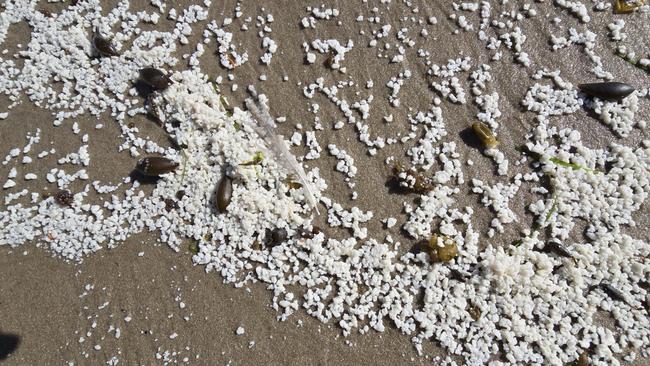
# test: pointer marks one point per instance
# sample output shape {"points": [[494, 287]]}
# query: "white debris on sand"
{"points": [[519, 302]]}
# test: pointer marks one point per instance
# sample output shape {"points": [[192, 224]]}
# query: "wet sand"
{"points": [[42, 298]]}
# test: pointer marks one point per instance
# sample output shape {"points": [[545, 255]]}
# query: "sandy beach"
{"points": [[167, 309]]}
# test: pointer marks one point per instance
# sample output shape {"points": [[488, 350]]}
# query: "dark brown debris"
{"points": [[155, 78], [153, 166], [103, 46], [224, 193], [64, 197]]}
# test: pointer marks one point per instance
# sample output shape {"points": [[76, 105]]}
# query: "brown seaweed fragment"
{"points": [[627, 6], [64, 197], [444, 253], [485, 134], [411, 179]]}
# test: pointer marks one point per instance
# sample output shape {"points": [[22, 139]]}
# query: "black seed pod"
{"points": [[554, 246], [155, 78], [153, 166], [608, 90], [64, 197], [103, 46], [277, 236], [224, 193]]}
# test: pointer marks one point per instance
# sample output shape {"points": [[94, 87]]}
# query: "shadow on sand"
{"points": [[8, 344]]}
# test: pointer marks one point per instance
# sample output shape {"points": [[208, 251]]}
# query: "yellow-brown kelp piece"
{"points": [[485, 134], [412, 178], [624, 7], [444, 253]]}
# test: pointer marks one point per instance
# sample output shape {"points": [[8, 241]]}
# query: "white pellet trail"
{"points": [[515, 302]]}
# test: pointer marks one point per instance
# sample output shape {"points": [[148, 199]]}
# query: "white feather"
{"points": [[265, 128]]}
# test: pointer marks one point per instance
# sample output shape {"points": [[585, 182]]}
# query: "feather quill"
{"points": [[265, 128]]}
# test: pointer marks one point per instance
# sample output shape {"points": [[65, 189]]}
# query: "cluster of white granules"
{"points": [[519, 302]]}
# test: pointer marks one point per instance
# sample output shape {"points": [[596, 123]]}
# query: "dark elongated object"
{"points": [[224, 193], [553, 246], [609, 90], [103, 46], [153, 166], [612, 292], [155, 78]]}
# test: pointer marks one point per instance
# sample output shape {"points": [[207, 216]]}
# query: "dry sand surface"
{"points": [[45, 302]]}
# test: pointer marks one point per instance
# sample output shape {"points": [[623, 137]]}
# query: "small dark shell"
{"points": [[608, 90], [154, 166], [277, 237], [103, 46], [155, 78], [224, 193], [64, 197]]}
